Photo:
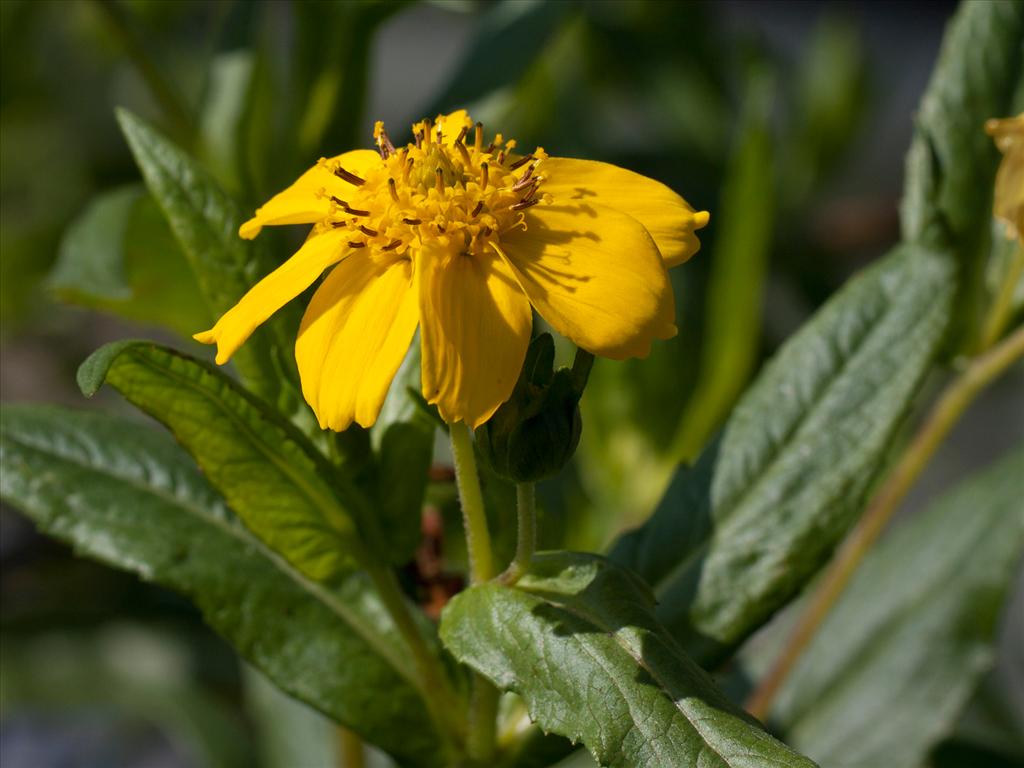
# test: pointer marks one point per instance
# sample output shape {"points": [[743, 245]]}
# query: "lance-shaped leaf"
{"points": [[577, 640], [274, 480], [205, 221], [952, 162], [125, 494], [739, 535], [119, 256], [916, 628]]}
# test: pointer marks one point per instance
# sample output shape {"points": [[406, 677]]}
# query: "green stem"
{"points": [[946, 412], [478, 538], [434, 684], [350, 749], [483, 722], [526, 510], [1002, 307]]}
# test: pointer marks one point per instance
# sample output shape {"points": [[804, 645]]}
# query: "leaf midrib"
{"points": [[373, 639], [872, 329]]}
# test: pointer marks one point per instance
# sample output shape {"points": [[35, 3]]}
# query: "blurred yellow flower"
{"points": [[459, 237], [1009, 195]]}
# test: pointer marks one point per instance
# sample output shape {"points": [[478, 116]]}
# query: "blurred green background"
{"points": [[788, 121]]}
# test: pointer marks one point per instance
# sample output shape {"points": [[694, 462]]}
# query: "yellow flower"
{"points": [[1009, 195], [459, 237]]}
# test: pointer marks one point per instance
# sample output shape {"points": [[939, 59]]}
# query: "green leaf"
{"points": [[952, 162], [205, 221], [274, 480], [916, 626], [743, 532], [577, 640], [126, 495], [403, 442], [738, 265], [119, 256]]}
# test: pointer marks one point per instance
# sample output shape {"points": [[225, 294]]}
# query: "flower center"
{"points": [[453, 189]]}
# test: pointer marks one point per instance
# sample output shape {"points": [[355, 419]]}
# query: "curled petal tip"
{"points": [[701, 219]]}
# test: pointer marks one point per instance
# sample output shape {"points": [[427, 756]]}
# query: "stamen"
{"points": [[479, 207], [413, 222], [393, 188], [384, 144], [427, 125], [525, 180], [419, 139], [440, 135], [406, 169], [348, 176], [529, 190], [392, 245], [485, 231], [501, 157], [478, 140], [348, 208], [368, 231], [522, 205], [356, 244], [439, 180], [521, 162], [463, 152], [483, 175], [462, 135]]}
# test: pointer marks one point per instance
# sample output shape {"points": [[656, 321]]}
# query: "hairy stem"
{"points": [[478, 538], [483, 722], [945, 413], [526, 511]]}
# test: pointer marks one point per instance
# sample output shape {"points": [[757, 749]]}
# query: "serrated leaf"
{"points": [[274, 480], [125, 494], [119, 256], [742, 534], [205, 221], [915, 627], [951, 165], [577, 640]]}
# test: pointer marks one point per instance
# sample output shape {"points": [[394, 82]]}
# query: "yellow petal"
{"points": [[475, 327], [274, 291], [596, 275], [670, 219], [451, 124], [302, 203], [354, 335]]}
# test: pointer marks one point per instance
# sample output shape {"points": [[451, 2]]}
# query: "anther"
{"points": [[479, 207], [393, 188], [384, 145], [483, 175], [348, 176], [356, 244], [524, 204], [525, 180], [440, 134], [501, 157], [368, 231], [419, 139], [485, 231], [348, 208], [478, 139], [439, 180], [413, 222], [521, 162], [463, 152], [392, 245], [462, 135]]}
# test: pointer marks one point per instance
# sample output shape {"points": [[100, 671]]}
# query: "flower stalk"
{"points": [[526, 511], [478, 538]]}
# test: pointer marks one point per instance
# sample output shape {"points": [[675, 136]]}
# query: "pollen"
{"points": [[437, 187]]}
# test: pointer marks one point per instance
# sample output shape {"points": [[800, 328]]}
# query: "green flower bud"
{"points": [[536, 432]]}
